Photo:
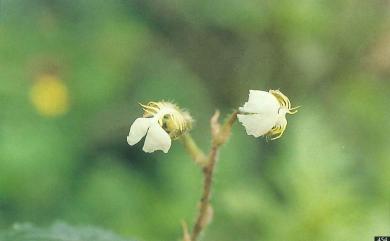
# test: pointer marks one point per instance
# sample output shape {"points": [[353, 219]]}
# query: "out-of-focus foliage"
{"points": [[58, 231], [63, 150]]}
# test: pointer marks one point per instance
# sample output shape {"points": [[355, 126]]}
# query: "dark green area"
{"points": [[326, 179]]}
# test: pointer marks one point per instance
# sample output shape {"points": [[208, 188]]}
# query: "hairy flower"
{"points": [[265, 113], [161, 123]]}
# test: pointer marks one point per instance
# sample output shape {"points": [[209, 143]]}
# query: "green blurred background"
{"points": [[72, 73]]}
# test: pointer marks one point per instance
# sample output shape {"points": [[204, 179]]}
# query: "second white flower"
{"points": [[265, 113]]}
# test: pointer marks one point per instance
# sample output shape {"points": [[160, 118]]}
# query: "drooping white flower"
{"points": [[161, 123], [265, 113]]}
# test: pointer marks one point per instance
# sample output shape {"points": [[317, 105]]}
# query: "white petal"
{"points": [[260, 102], [281, 120], [138, 130], [157, 139], [257, 124]]}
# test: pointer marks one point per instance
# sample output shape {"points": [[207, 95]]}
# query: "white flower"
{"points": [[162, 121], [265, 113]]}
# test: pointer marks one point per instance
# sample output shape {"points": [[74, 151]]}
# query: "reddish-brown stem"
{"points": [[205, 211], [220, 135]]}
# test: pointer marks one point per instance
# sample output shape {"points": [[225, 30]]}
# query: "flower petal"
{"points": [[257, 124], [260, 102], [157, 139], [138, 130]]}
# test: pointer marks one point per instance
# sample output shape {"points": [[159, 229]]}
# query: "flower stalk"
{"points": [[195, 152], [220, 135]]}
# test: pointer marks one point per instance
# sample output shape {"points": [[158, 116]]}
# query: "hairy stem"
{"points": [[205, 209], [220, 135]]}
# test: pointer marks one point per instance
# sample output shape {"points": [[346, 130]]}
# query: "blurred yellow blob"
{"points": [[49, 95]]}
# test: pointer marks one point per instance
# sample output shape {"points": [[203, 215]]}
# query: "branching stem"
{"points": [[220, 135]]}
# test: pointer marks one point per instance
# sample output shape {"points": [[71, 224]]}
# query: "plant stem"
{"points": [[220, 135], [195, 152], [205, 209]]}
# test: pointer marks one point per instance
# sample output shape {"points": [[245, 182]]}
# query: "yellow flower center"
{"points": [[174, 121]]}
